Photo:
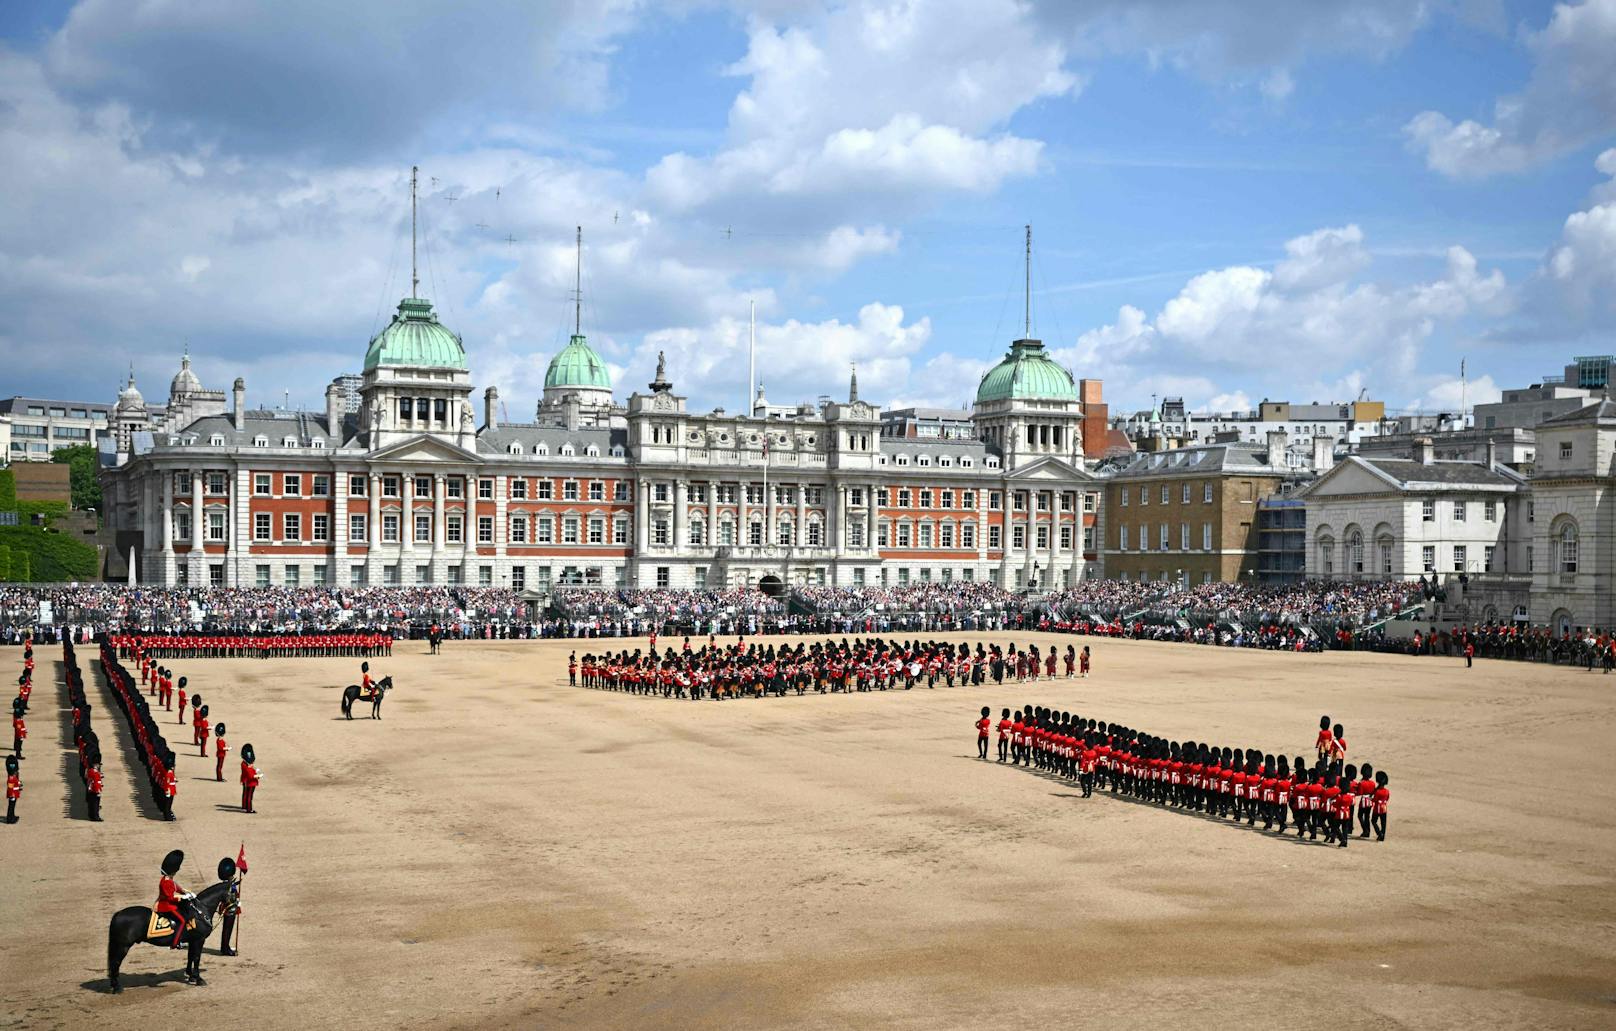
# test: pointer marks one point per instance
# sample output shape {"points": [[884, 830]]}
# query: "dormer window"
{"points": [[967, 462], [592, 451], [924, 460], [217, 440], [514, 448], [260, 441], [317, 444], [945, 461], [617, 451], [568, 451], [288, 442]]}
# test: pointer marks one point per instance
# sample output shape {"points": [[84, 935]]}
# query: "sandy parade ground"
{"points": [[503, 850]]}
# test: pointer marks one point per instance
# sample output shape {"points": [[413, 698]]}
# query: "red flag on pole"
{"points": [[241, 858]]}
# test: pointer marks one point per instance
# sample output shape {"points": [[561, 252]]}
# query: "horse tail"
{"points": [[347, 701]]}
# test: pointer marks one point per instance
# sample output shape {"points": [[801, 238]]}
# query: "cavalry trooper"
{"points": [[250, 776], [13, 789], [233, 871], [170, 895], [367, 686]]}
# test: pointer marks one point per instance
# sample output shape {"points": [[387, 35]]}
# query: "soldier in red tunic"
{"points": [[182, 699], [13, 789], [249, 778], [221, 749], [170, 895]]}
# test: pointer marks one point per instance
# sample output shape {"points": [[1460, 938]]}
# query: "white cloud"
{"points": [[1451, 394], [1569, 101]]}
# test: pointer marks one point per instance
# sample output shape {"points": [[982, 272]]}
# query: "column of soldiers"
{"points": [[150, 747], [19, 732], [824, 667], [84, 736], [1242, 784]]}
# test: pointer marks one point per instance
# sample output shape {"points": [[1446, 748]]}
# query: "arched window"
{"points": [[1355, 552], [783, 533], [1326, 556], [1386, 545], [1568, 547], [698, 532]]}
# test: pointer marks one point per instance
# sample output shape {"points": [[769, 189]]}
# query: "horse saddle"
{"points": [[162, 926]]}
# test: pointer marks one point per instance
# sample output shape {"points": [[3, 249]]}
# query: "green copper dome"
{"points": [[577, 366], [416, 337], [1026, 372]]}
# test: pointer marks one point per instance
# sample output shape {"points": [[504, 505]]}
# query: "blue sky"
{"points": [[1230, 199]]}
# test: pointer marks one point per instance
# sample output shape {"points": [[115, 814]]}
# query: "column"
{"points": [[194, 560], [680, 500], [439, 490], [869, 517], [1052, 577], [337, 565], [768, 515], [982, 525], [1028, 540], [373, 534], [232, 528], [835, 512], [712, 512], [501, 500], [642, 520], [802, 514]]}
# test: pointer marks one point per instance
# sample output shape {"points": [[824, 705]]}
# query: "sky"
{"points": [[1230, 200]]}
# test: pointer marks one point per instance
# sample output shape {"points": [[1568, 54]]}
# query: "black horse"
{"points": [[130, 926], [353, 692]]}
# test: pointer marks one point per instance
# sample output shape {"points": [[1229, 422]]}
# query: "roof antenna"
{"points": [[751, 354], [1027, 334], [578, 288], [415, 279]]}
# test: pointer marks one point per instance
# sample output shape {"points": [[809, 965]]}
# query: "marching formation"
{"points": [[823, 667], [1238, 784], [251, 646]]}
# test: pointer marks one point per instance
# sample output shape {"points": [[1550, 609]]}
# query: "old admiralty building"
{"points": [[405, 484]]}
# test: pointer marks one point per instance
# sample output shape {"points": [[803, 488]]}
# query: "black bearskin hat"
{"points": [[364, 667], [203, 712], [247, 754], [172, 862], [218, 730], [182, 681]]}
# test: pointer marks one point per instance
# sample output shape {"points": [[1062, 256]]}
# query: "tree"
{"points": [[84, 464]]}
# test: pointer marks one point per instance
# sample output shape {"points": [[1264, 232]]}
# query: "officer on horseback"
{"points": [[171, 897], [367, 685]]}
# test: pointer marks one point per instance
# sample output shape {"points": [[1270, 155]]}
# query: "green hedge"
{"points": [[5, 563], [47, 557], [8, 490]]}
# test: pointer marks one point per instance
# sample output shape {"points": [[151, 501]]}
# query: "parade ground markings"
{"points": [[504, 850]]}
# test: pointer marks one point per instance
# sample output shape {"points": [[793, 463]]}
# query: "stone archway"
{"points": [[771, 585]]}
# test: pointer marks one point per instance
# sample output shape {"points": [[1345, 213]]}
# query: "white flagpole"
{"points": [[751, 355]]}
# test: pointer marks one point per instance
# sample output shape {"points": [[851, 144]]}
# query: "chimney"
{"points": [[1492, 452], [570, 411], [1424, 450], [491, 408], [241, 403], [1323, 454], [333, 410], [1276, 449]]}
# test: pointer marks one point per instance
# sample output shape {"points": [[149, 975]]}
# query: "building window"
{"points": [[1144, 495], [995, 537], [216, 526], [485, 576], [390, 529], [389, 486], [1489, 511], [1183, 536], [291, 485], [1184, 495], [1206, 493], [620, 491], [1166, 542], [1565, 450], [423, 528], [925, 535], [1164, 494], [569, 529], [544, 530], [390, 575], [1018, 500], [356, 528], [662, 576], [1041, 536], [261, 485], [320, 574], [544, 490], [948, 498], [1385, 555], [261, 526], [485, 489], [995, 500], [485, 529], [519, 489], [455, 487], [816, 533], [597, 490], [782, 532], [903, 499], [1568, 548], [261, 575], [569, 491], [945, 535], [597, 530], [1206, 536], [1355, 552], [216, 483], [1459, 555], [698, 533], [1428, 510], [967, 499], [518, 529], [620, 532], [1124, 496], [967, 535], [322, 485], [291, 526], [1018, 537], [1458, 511], [519, 578], [182, 525], [1088, 538], [454, 527], [320, 527], [1487, 558], [1428, 558], [1122, 537], [357, 486]]}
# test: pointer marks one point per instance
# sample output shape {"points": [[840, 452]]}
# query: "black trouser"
{"points": [[11, 810], [1004, 748], [94, 799], [1087, 780], [247, 798], [1378, 822], [1363, 822], [981, 748]]}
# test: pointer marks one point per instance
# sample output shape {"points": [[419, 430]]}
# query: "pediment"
{"points": [[1053, 470], [426, 449]]}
